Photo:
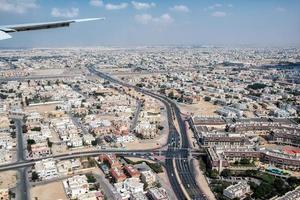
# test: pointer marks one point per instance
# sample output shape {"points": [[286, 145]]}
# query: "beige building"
{"points": [[4, 194], [238, 190]]}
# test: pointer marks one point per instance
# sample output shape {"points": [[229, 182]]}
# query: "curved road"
{"points": [[175, 140], [178, 150]]}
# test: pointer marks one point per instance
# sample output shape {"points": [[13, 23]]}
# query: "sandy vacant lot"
{"points": [[41, 108], [134, 159], [142, 144], [50, 191], [148, 143], [8, 179], [201, 181], [202, 108], [46, 72], [164, 180]]}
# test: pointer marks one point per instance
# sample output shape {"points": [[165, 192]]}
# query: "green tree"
{"points": [[49, 143], [244, 161], [90, 178], [94, 142], [226, 173], [257, 86], [34, 176], [30, 141], [171, 95], [213, 174], [207, 98]]}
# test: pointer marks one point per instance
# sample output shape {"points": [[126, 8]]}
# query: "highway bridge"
{"points": [[178, 149]]}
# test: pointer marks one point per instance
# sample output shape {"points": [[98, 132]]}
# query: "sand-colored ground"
{"points": [[134, 159], [147, 144], [202, 108], [201, 181], [41, 108], [8, 179], [162, 177], [59, 149], [46, 72], [160, 140], [62, 149], [50, 191], [249, 114], [192, 139], [164, 180]]}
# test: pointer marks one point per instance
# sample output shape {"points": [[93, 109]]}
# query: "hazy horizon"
{"points": [[154, 23]]}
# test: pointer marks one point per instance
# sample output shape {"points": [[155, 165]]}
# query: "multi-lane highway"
{"points": [[134, 153], [26, 78], [177, 156], [179, 140], [22, 185], [176, 139]]}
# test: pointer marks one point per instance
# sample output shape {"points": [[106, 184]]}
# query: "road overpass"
{"points": [[183, 166]]}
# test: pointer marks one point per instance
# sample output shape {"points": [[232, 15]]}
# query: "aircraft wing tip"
{"points": [[4, 36], [89, 19]]}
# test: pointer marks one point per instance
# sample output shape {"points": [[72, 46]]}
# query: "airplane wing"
{"points": [[4, 30]]}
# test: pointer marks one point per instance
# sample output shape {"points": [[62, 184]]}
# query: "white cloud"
{"points": [[116, 6], [66, 13], [165, 18], [217, 5], [142, 5], [280, 9], [180, 8], [229, 5], [147, 18], [144, 18], [219, 14], [96, 3], [17, 6]]}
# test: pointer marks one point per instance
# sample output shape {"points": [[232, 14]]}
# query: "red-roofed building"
{"points": [[111, 159], [117, 174], [131, 171], [292, 151]]}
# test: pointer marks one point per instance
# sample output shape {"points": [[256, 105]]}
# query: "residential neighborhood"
{"points": [[152, 123]]}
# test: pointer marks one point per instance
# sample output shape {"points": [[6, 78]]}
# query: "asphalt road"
{"points": [[178, 150], [22, 190], [137, 153], [21, 156], [26, 78], [136, 115], [175, 140]]}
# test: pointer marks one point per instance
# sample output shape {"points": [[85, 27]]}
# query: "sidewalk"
{"points": [[201, 181]]}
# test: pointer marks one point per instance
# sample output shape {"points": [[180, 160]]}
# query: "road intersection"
{"points": [[177, 151]]}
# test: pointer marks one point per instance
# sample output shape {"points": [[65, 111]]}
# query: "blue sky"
{"points": [[146, 22]]}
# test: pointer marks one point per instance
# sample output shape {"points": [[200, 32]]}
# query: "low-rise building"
{"points": [[215, 160], [39, 150], [131, 171], [222, 139], [4, 194], [238, 190], [76, 186], [129, 186], [117, 174], [291, 195], [286, 136], [46, 169], [138, 196], [91, 195], [148, 177], [66, 167], [111, 159], [158, 194]]}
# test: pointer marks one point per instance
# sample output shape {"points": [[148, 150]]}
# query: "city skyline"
{"points": [[134, 23]]}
